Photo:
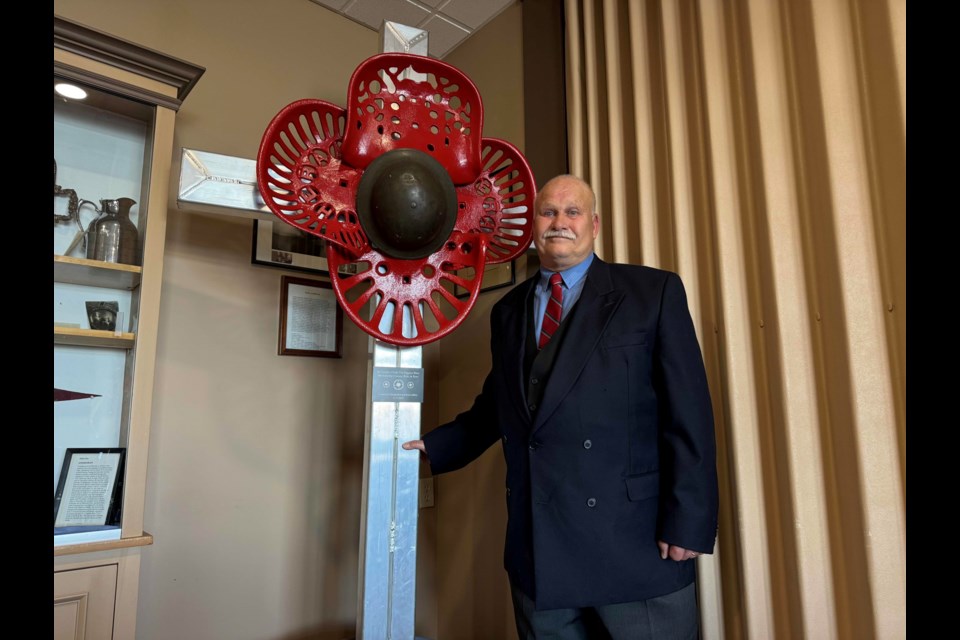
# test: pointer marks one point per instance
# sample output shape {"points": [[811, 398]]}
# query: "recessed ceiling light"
{"points": [[70, 91]]}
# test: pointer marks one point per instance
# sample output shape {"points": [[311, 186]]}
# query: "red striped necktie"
{"points": [[551, 315]]}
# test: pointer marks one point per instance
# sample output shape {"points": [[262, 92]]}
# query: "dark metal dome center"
{"points": [[407, 204]]}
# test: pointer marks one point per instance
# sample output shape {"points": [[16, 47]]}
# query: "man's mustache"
{"points": [[561, 233]]}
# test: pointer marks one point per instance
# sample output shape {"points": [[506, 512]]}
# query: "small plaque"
{"points": [[397, 384]]}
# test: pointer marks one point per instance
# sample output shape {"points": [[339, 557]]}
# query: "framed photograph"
{"points": [[311, 320], [494, 277], [102, 314], [89, 490], [277, 244]]}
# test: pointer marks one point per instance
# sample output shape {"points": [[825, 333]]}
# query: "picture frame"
{"points": [[276, 244], [311, 320], [103, 314], [495, 276], [89, 491]]}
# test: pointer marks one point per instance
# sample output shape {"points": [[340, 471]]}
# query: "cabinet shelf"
{"points": [[92, 338], [96, 273], [88, 547]]}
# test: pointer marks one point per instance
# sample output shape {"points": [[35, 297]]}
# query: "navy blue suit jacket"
{"points": [[621, 452]]}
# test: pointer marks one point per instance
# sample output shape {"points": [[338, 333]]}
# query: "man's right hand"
{"points": [[416, 444]]}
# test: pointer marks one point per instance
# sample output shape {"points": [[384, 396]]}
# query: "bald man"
{"points": [[599, 398]]}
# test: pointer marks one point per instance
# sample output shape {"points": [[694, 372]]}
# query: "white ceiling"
{"points": [[448, 22]]}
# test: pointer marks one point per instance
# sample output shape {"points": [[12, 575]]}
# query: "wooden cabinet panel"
{"points": [[83, 603]]}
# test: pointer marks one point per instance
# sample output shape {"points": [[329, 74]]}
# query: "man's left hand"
{"points": [[675, 553]]}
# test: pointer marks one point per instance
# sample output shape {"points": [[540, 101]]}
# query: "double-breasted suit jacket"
{"points": [[619, 453]]}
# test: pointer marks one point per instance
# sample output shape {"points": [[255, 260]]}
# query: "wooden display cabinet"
{"points": [[116, 142]]}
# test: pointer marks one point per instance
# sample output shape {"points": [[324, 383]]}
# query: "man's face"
{"points": [[564, 224]]}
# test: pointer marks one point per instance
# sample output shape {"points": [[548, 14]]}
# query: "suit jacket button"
{"points": [[592, 502], [533, 445], [534, 380], [532, 407], [587, 444]]}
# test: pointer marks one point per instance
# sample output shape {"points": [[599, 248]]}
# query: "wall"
{"points": [[545, 109]]}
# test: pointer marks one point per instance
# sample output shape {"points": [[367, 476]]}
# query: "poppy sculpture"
{"points": [[412, 201]]}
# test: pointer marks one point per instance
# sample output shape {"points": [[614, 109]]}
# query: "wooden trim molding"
{"points": [[96, 45], [89, 547]]}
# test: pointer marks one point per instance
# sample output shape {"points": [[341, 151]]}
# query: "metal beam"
{"points": [[388, 548]]}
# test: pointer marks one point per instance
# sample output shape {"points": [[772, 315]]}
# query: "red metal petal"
{"points": [[301, 177], [404, 101], [430, 289], [499, 203]]}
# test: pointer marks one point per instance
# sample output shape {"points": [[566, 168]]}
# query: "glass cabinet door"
{"points": [[102, 146]]}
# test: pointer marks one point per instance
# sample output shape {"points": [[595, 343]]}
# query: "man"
{"points": [[599, 397]]}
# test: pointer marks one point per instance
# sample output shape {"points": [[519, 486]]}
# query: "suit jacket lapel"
{"points": [[597, 304], [514, 339]]}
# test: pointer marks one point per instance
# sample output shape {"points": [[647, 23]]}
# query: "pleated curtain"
{"points": [[758, 148]]}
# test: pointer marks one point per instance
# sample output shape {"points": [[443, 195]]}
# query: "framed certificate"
{"points": [[311, 320]]}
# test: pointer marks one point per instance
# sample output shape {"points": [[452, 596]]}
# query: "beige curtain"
{"points": [[758, 148]]}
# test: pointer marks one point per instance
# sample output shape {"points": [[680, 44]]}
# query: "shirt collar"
{"points": [[570, 276]]}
